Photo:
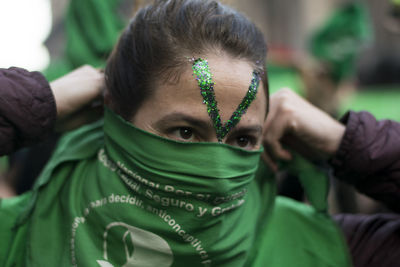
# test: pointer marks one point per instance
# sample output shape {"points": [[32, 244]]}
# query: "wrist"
{"points": [[336, 135]]}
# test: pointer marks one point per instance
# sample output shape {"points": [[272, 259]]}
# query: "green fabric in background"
{"points": [[3, 164], [383, 102], [341, 38], [92, 28], [281, 76], [395, 2]]}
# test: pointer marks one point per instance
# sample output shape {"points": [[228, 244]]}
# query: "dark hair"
{"points": [[161, 37]]}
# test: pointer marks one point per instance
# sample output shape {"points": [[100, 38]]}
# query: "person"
{"points": [[169, 177]]}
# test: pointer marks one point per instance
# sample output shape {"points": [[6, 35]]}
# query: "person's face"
{"points": [[176, 110]]}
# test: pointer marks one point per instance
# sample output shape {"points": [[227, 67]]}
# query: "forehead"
{"points": [[232, 78]]}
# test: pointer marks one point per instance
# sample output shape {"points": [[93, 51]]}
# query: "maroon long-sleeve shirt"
{"points": [[27, 109], [368, 158]]}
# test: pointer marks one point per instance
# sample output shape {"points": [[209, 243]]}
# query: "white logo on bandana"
{"points": [[149, 249]]}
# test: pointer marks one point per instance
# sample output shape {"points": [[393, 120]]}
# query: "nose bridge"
{"points": [[213, 137]]}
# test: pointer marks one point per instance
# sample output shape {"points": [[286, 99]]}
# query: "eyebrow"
{"points": [[245, 129], [178, 116]]}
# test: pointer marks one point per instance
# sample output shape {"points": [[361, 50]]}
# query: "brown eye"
{"points": [[186, 133], [242, 141], [183, 134]]}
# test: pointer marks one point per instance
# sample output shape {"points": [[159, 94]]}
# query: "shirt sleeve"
{"points": [[373, 240], [369, 157], [27, 109]]}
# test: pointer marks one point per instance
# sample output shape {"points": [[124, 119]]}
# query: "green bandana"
{"points": [[131, 198]]}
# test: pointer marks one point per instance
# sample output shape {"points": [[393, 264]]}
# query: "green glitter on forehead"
{"points": [[203, 76]]}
